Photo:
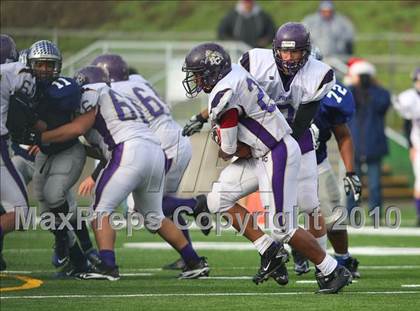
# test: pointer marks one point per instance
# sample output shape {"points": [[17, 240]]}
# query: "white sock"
{"points": [[262, 243], [322, 241], [327, 265]]}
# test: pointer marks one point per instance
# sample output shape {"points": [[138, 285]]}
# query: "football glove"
{"points": [[353, 185], [315, 135], [194, 125], [26, 137]]}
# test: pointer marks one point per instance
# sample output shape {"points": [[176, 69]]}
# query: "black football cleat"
{"points": [[100, 272], [272, 259], [178, 264], [201, 207], [194, 271], [281, 276], [351, 264], [335, 281], [301, 262]]}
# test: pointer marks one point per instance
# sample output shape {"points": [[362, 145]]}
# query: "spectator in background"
{"points": [[368, 129], [332, 32], [248, 23], [408, 105]]}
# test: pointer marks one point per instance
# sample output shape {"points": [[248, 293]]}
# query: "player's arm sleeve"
{"points": [[244, 61], [229, 131], [219, 103], [303, 118]]}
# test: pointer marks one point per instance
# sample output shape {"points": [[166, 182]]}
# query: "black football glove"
{"points": [[353, 185], [26, 137], [194, 125]]}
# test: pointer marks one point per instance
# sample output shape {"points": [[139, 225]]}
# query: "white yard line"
{"points": [[200, 295], [245, 246], [144, 271], [136, 274], [313, 281], [410, 285]]}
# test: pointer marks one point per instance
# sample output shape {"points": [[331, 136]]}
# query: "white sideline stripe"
{"points": [[241, 277], [136, 274], [245, 246], [410, 285], [383, 231], [396, 267], [313, 281], [201, 295]]}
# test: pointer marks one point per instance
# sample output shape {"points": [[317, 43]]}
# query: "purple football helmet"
{"points": [[8, 51], [114, 64], [205, 65], [91, 74], [291, 37]]}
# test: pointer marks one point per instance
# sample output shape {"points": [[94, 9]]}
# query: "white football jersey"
{"points": [[408, 105], [13, 78], [155, 112], [308, 84], [261, 125], [117, 119]]}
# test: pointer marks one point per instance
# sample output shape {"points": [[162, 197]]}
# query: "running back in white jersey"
{"points": [[311, 83], [156, 113], [261, 125], [14, 77], [117, 119], [408, 105]]}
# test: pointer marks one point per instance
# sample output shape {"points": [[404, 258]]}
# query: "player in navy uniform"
{"points": [[336, 109], [59, 165]]}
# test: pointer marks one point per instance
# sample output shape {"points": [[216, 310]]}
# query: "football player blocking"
{"points": [[129, 140], [157, 116], [243, 112], [51, 184]]}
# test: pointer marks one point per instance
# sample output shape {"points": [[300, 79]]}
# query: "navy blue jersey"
{"points": [[337, 107], [57, 103]]}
